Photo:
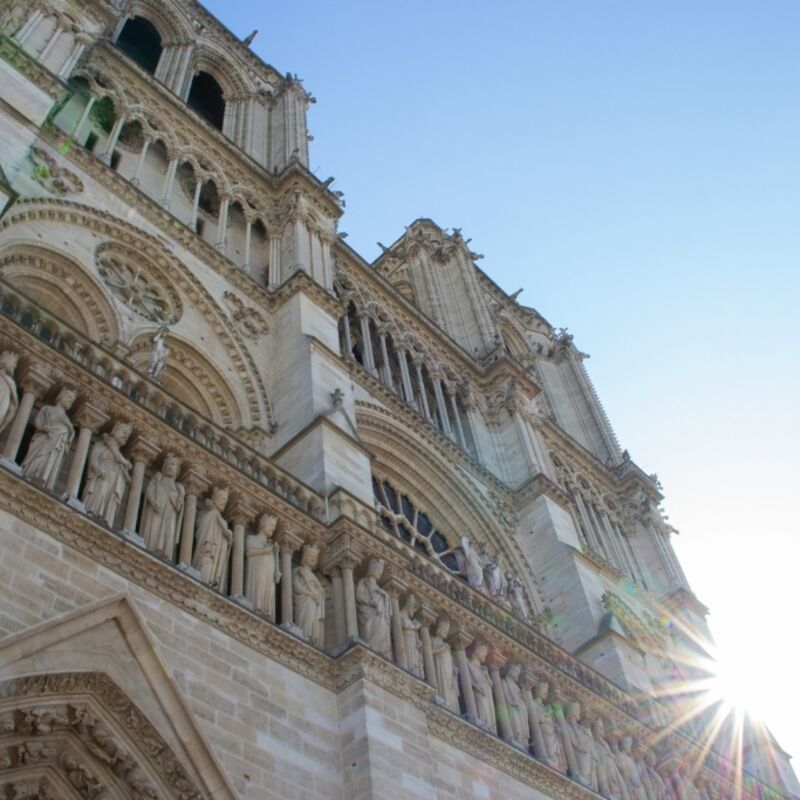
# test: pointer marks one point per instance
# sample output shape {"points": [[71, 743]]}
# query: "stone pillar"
{"points": [[222, 224], [51, 43], [349, 586], [527, 682], [338, 604], [366, 344], [459, 642], [89, 418], [241, 514], [28, 26], [348, 339], [288, 542], [248, 235], [198, 187], [274, 261], [140, 162], [395, 586], [408, 392], [427, 617], [34, 381], [81, 40], [495, 661], [194, 482], [87, 109], [387, 372], [341, 557], [169, 180], [423, 395], [457, 419], [141, 452], [105, 157], [440, 405]]}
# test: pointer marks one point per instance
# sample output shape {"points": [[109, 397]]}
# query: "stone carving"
{"points": [[470, 565], [517, 705], [654, 784], [212, 540], [516, 597], [250, 322], [53, 437], [446, 673], [578, 746], [108, 474], [609, 781], [545, 738], [263, 567], [629, 769], [163, 508], [413, 644], [135, 289], [159, 353], [309, 596], [374, 610], [493, 576], [53, 178], [8, 388], [481, 685]]}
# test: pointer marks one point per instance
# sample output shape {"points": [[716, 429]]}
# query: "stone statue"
{"points": [[159, 353], [481, 685], [54, 434], [516, 596], [263, 567], [162, 509], [541, 717], [579, 747], [8, 388], [629, 769], [309, 597], [654, 784], [684, 788], [108, 474], [374, 610], [609, 782], [494, 578], [411, 640], [470, 565], [212, 540], [517, 706], [446, 672]]}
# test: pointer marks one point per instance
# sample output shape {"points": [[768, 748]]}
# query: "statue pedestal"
{"points": [[75, 503], [134, 538], [190, 571], [11, 466], [295, 630]]}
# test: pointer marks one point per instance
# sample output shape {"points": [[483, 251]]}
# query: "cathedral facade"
{"points": [[276, 522]]}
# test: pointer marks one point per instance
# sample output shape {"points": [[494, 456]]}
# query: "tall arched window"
{"points": [[142, 42], [206, 99]]}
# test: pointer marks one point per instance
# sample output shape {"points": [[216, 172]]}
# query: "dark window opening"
{"points": [[142, 42], [115, 159], [91, 142], [205, 98]]}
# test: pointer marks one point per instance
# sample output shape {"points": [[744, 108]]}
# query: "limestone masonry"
{"points": [[279, 523]]}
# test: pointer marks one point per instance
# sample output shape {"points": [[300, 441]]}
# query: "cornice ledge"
{"points": [[540, 485], [299, 282]]}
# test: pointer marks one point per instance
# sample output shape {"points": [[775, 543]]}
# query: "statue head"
{"points": [[443, 627], [650, 758], [8, 361], [478, 650], [598, 728], [375, 568], [171, 466], [465, 543], [267, 524], [542, 690], [412, 604], [573, 712], [121, 432], [66, 397], [514, 671], [219, 498], [627, 744], [310, 556]]}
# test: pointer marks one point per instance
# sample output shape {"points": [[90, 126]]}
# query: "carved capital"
{"points": [[495, 660], [142, 449], [195, 481], [35, 377], [427, 616], [460, 639], [289, 541], [240, 513], [343, 553], [90, 415], [393, 582]]}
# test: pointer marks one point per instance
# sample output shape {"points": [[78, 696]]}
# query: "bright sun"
{"points": [[736, 684]]}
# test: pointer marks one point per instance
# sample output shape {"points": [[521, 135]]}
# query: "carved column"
{"points": [[366, 344], [51, 43], [241, 514], [387, 372], [348, 339], [34, 381], [140, 162], [459, 642], [112, 140], [423, 395], [527, 682], [28, 26], [195, 483], [169, 180], [198, 187], [340, 559], [89, 418], [222, 224], [408, 392], [81, 40], [456, 418], [427, 617], [141, 452], [87, 109], [440, 405], [395, 586], [288, 542], [495, 661], [274, 261], [248, 236]]}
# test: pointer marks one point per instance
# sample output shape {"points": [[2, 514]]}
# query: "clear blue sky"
{"points": [[634, 166]]}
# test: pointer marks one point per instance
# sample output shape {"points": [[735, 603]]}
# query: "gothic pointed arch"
{"points": [[117, 236], [86, 707], [55, 281], [171, 26], [425, 477]]}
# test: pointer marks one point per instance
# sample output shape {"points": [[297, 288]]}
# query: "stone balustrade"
{"points": [[333, 587]]}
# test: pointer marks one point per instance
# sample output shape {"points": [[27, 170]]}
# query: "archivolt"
{"points": [[111, 228], [63, 287], [171, 27], [456, 506]]}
